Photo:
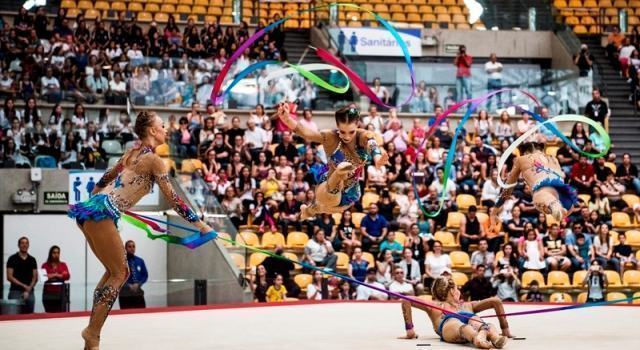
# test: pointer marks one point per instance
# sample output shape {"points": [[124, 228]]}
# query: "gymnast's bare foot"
{"points": [[91, 341], [480, 341], [499, 342]]}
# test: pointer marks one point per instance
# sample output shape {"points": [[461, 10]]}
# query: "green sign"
{"points": [[56, 197]]}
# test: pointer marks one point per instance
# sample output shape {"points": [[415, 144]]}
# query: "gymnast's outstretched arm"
{"points": [[306, 133], [161, 176], [495, 304]]}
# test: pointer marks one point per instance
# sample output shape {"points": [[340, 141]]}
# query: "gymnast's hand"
{"points": [[205, 229]]}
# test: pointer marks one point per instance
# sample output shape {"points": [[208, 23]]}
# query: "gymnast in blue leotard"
{"points": [[455, 321]]}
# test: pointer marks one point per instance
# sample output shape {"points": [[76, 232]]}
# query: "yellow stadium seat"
{"points": [[619, 219], [429, 17], [447, 238], [162, 150], [638, 255], [91, 14], [151, 7], [168, 9], [411, 9], [369, 258], [636, 295], [256, 259], [529, 276], [631, 278], [633, 238], [580, 29], [440, 10], [634, 4], [400, 237], [459, 278], [85, 5], [73, 13], [380, 8], [460, 260], [620, 3], [611, 166], [189, 166], [216, 11], [343, 261], [185, 2], [590, 3], [368, 198], [272, 239], [453, 219], [198, 10], [588, 20], [292, 257], [575, 3], [226, 20], [135, 7], [425, 9], [617, 296], [560, 298], [161, 17], [558, 279], [183, 9], [118, 6], [464, 201], [578, 277], [297, 239], [560, 3], [434, 2], [413, 18], [396, 8], [613, 277], [459, 19], [582, 298], [68, 4], [201, 2], [594, 29], [145, 17], [356, 218], [631, 199], [611, 12], [455, 10], [551, 150], [398, 17], [605, 3], [444, 18], [238, 260], [303, 280], [249, 238], [101, 5], [219, 3], [572, 20], [463, 26]]}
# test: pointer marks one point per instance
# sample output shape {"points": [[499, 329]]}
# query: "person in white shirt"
{"points": [[625, 56], [117, 87], [319, 252], [255, 138], [317, 289], [437, 185], [493, 68], [135, 55], [437, 263], [50, 86], [490, 190], [411, 269], [399, 285], [375, 119], [366, 293]]}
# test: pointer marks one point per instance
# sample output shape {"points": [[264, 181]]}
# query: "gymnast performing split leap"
{"points": [[119, 189], [349, 149], [461, 325]]}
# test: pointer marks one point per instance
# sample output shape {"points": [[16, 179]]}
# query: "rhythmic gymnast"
{"points": [[119, 189], [462, 325], [349, 148], [542, 172]]}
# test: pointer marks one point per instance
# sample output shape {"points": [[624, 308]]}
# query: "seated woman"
{"points": [[348, 149], [543, 174], [460, 325]]}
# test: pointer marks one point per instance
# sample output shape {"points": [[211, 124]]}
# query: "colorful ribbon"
{"points": [[144, 223], [217, 97]]}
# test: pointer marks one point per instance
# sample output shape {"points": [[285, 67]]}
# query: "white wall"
{"points": [[44, 231]]}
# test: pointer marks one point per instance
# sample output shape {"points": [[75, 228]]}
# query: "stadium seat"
{"points": [[185, 2], [575, 3], [588, 20], [256, 259], [558, 279], [113, 161], [249, 238], [560, 298], [144, 17], [91, 14], [227, 20], [219, 3], [303, 280], [101, 5], [590, 4], [459, 278], [529, 276], [400, 237], [168, 8], [620, 3], [368, 198], [585, 197], [578, 277], [292, 257], [619, 219], [464, 201], [425, 9], [460, 260], [631, 278], [453, 219], [551, 150], [216, 11], [580, 29], [343, 261], [356, 218], [560, 3], [380, 8], [297, 239], [67, 4], [84, 5], [638, 255], [429, 17], [395, 8], [631, 199], [611, 166], [135, 7], [636, 295], [189, 166], [151, 7], [459, 19], [440, 10], [633, 238], [271, 239], [398, 17], [411, 9], [183, 9], [613, 277], [463, 26], [447, 239], [369, 258], [582, 298], [572, 20], [73, 13], [44, 161], [118, 6], [616, 296], [434, 2], [238, 260], [444, 18], [162, 150], [161, 17], [414, 18]]}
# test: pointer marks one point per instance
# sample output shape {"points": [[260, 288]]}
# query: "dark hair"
{"points": [[21, 238], [481, 265], [371, 270], [143, 122], [49, 258], [347, 115], [530, 147], [622, 234], [483, 239], [534, 283], [381, 254], [473, 209], [580, 236]]}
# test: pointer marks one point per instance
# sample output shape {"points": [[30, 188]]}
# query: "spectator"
{"points": [[289, 213], [495, 233], [22, 273], [479, 286], [597, 109], [471, 231], [615, 40], [287, 148], [579, 135], [418, 245], [259, 284], [493, 68], [508, 260], [373, 228], [412, 272], [463, 73], [317, 289], [326, 223], [117, 93], [582, 175], [366, 293], [380, 91], [97, 84], [533, 252], [271, 185], [50, 87], [277, 292], [483, 127], [524, 124], [490, 190], [275, 266], [624, 254], [132, 295], [555, 250], [507, 283], [396, 135], [436, 264], [232, 206], [503, 129], [583, 60], [483, 257], [256, 139], [603, 248], [624, 56], [384, 266], [582, 252], [284, 171], [534, 295], [347, 234], [597, 283], [319, 252], [627, 173], [374, 119], [140, 86], [467, 176], [53, 298], [399, 284], [358, 266], [391, 244]]}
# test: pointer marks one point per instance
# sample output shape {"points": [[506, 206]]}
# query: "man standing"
{"points": [[583, 60], [132, 295], [22, 273], [373, 228], [463, 73], [494, 83], [597, 109]]}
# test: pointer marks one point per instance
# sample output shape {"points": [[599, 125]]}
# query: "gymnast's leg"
{"points": [[454, 331], [547, 200], [107, 245], [328, 194], [494, 336]]}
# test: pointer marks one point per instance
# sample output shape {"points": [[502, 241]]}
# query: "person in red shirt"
{"points": [[57, 274], [582, 176], [463, 73]]}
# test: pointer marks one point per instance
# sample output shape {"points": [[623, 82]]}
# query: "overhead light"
{"points": [[29, 4], [475, 10]]}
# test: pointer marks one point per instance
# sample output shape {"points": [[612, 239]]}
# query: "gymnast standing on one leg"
{"points": [[119, 189]]}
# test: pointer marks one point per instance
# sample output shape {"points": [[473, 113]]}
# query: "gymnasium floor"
{"points": [[370, 326]]}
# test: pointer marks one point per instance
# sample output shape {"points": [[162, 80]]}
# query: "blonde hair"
{"points": [[144, 121], [441, 287]]}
